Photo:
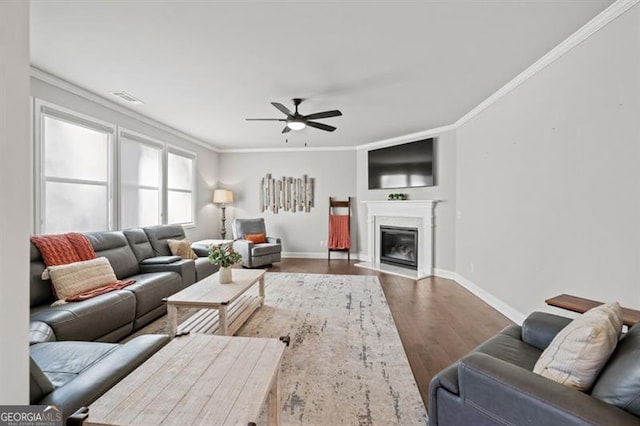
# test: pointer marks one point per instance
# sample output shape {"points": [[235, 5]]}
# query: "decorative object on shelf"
{"points": [[225, 257], [397, 196], [286, 193], [223, 197]]}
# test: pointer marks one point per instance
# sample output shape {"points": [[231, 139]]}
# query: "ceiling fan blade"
{"points": [[265, 119], [286, 129], [283, 109], [321, 126], [324, 114]]}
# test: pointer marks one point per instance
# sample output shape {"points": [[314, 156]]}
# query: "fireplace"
{"points": [[399, 246]]}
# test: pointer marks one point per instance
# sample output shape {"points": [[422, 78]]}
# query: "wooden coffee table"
{"points": [[197, 379], [225, 307]]}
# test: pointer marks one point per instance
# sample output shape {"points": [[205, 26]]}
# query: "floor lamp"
{"points": [[223, 197]]}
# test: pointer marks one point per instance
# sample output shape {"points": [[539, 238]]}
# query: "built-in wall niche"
{"points": [[287, 194]]}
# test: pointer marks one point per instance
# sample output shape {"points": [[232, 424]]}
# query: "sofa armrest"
{"points": [[539, 329], [99, 378], [513, 395], [40, 332], [185, 267], [273, 240], [160, 260]]}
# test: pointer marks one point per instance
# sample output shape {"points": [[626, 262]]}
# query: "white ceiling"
{"points": [[392, 68]]}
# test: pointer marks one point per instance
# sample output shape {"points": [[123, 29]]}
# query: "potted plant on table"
{"points": [[225, 257]]}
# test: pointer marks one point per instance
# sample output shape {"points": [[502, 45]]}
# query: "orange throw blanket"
{"points": [[68, 248], [339, 237]]}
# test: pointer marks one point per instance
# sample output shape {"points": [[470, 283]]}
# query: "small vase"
{"points": [[225, 275]]}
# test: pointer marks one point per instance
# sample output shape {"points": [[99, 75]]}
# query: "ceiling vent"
{"points": [[128, 97]]}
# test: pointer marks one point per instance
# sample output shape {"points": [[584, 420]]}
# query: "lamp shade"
{"points": [[222, 196]]}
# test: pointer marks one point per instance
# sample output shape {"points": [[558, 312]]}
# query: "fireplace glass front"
{"points": [[399, 246]]}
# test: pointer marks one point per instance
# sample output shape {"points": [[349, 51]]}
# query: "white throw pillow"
{"points": [[581, 349], [78, 277]]}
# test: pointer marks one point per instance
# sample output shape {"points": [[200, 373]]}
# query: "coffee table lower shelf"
{"points": [[207, 320]]}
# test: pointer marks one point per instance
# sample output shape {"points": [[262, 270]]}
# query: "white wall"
{"points": [[15, 210], [335, 176], [444, 190], [207, 159], [548, 179]]}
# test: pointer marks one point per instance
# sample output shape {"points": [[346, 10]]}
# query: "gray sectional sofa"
{"points": [[112, 316], [72, 363]]}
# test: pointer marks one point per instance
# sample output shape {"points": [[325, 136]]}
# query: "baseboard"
{"points": [[497, 304], [444, 273], [318, 255]]}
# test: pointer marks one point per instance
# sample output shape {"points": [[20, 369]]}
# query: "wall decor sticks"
{"points": [[288, 194]]}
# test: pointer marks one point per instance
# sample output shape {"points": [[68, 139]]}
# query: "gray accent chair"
{"points": [[255, 255], [495, 384], [158, 236], [71, 374]]}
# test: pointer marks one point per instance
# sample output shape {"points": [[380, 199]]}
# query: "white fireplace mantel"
{"points": [[414, 213]]}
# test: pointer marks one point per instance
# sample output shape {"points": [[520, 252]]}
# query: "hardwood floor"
{"points": [[437, 319]]}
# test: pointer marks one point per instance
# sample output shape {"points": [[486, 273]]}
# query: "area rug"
{"points": [[346, 364]]}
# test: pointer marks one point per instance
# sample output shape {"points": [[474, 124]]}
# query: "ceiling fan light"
{"points": [[296, 125]]}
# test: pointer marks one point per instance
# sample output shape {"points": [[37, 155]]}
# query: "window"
{"points": [[140, 181], [85, 184], [180, 186], [75, 186]]}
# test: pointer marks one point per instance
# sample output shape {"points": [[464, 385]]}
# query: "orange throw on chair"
{"points": [[339, 237]]}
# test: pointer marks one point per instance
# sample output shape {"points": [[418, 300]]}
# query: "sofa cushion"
{"points": [[150, 288], [78, 277], [40, 291], [90, 319], [139, 243], [159, 234], [115, 247], [509, 347], [539, 328], [619, 381], [63, 361], [265, 249], [579, 351], [182, 248]]}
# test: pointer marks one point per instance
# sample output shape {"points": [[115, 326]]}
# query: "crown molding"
{"points": [[407, 138], [86, 94], [305, 149], [587, 30]]}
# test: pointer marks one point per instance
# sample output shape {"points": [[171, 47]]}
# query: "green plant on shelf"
{"points": [[397, 196]]}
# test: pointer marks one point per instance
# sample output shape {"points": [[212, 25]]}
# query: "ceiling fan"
{"points": [[297, 121]]}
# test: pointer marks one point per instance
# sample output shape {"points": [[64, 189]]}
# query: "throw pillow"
{"points": [[256, 238], [78, 277], [619, 382], [580, 350], [182, 248]]}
